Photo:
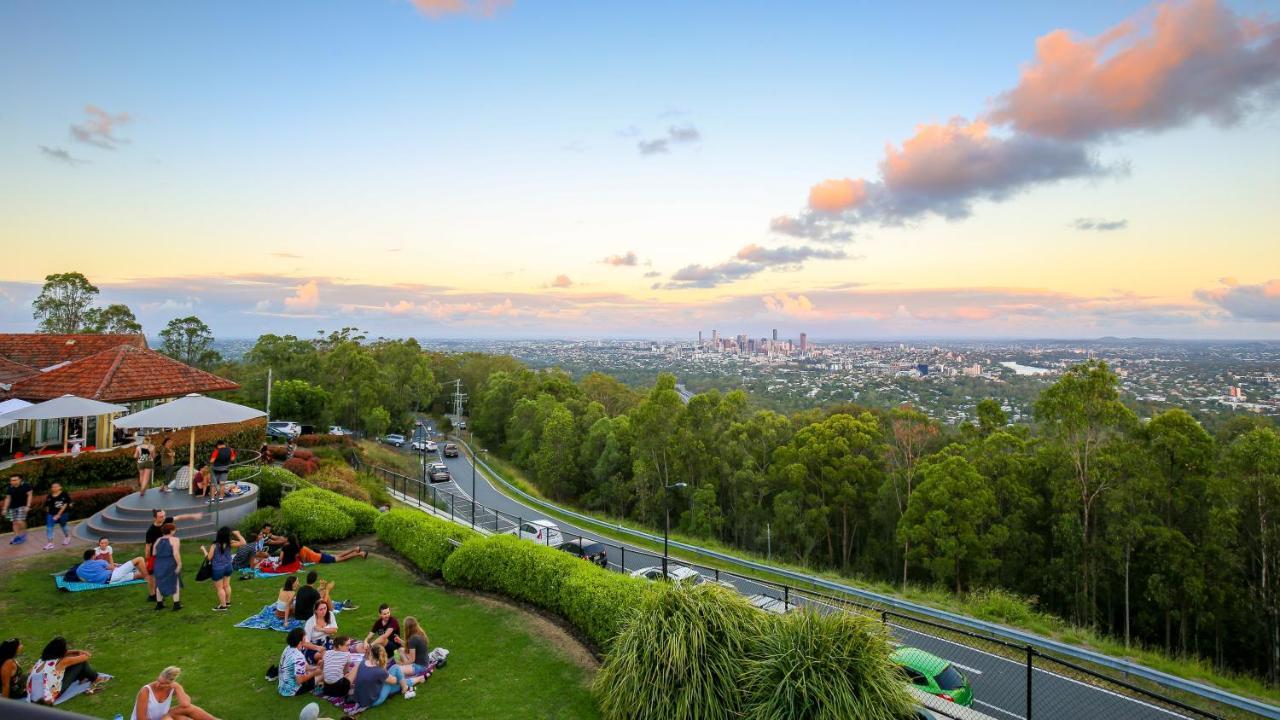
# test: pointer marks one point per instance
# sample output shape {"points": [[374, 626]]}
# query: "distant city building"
{"points": [[974, 370], [923, 368], [775, 334], [804, 342]]}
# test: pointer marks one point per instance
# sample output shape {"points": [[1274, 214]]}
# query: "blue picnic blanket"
{"points": [[266, 619], [259, 574], [82, 585]]}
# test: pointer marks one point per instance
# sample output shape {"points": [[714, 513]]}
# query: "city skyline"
{"points": [[511, 169]]}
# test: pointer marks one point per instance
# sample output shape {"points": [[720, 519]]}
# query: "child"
{"points": [[103, 551]]}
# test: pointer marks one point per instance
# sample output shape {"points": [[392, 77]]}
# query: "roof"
{"points": [[918, 659], [41, 350], [124, 373], [11, 371]]}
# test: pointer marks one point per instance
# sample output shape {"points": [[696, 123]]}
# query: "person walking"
{"points": [[168, 464], [168, 567], [57, 510], [145, 453], [220, 555], [17, 503]]}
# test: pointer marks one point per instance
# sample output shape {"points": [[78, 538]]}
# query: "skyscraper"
{"points": [[775, 334], [699, 339], [804, 342]]}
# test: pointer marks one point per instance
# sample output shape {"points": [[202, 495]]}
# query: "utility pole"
{"points": [[458, 398], [268, 393]]}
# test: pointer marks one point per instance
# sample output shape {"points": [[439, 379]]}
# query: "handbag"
{"points": [[205, 572]]}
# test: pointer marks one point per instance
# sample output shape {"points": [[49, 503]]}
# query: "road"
{"points": [[999, 683]]}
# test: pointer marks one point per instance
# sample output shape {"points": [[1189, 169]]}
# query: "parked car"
{"points": [[678, 574], [540, 531], [338, 430], [275, 433], [288, 427], [394, 439], [424, 445], [933, 675], [450, 450], [589, 550], [438, 472], [462, 424]]}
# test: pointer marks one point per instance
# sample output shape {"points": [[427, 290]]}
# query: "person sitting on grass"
{"points": [[296, 677], [57, 511], [311, 556], [289, 562], [320, 629], [385, 630], [374, 682], [103, 551], [284, 600], [336, 675], [102, 572], [13, 682], [250, 554], [412, 658], [155, 700], [57, 670]]}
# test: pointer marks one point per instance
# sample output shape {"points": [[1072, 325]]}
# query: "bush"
{"points": [[422, 539], [341, 487], [822, 666], [680, 656], [316, 439], [316, 518], [301, 468], [303, 454], [513, 567], [248, 435], [378, 494], [254, 521], [81, 471], [84, 503], [600, 603], [362, 514], [269, 480]]}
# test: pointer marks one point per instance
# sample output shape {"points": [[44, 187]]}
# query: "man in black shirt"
{"points": [[304, 602], [154, 533], [17, 502]]}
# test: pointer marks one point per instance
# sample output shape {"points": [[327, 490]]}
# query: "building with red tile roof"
{"points": [[41, 350]]}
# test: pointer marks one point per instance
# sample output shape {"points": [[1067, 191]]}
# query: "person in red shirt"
{"points": [[221, 460]]}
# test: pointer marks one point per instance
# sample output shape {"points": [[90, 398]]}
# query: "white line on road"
{"points": [[998, 709], [975, 671]]}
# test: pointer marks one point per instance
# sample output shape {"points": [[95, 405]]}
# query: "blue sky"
{"points": [[305, 165]]}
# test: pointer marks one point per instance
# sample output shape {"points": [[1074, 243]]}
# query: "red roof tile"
{"points": [[40, 351], [11, 371], [122, 374]]}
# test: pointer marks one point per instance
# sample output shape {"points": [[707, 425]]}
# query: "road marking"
{"points": [[999, 709], [975, 671]]}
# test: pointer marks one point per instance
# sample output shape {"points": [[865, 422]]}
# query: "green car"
{"points": [[933, 675]]}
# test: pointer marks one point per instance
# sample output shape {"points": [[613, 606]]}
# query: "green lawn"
{"points": [[503, 662]]}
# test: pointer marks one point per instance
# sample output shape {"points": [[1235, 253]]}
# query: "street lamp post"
{"points": [[666, 528]]}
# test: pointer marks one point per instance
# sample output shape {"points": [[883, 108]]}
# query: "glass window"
{"points": [[950, 678]]}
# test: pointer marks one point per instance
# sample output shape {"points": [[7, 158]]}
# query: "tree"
{"points": [[188, 339], [654, 422], [1254, 458], [116, 319], [376, 421], [991, 417], [909, 433], [301, 401], [1080, 413], [951, 522], [555, 463], [64, 302]]}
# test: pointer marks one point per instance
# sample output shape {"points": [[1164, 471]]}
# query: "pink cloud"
{"points": [[837, 195], [481, 8], [627, 260], [1259, 303], [99, 128], [307, 297], [562, 281]]}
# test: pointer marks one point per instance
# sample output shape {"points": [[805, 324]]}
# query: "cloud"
{"points": [[1096, 225], [704, 276], [652, 273], [286, 255], [1185, 61], [628, 260], [750, 260], [171, 305], [60, 155], [562, 281], [1161, 69], [99, 128], [786, 255], [676, 134], [307, 297], [787, 304], [1258, 303], [436, 9]]}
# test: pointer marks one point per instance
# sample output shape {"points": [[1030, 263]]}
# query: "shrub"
{"points": [[342, 487], [269, 480], [301, 468], [316, 439], [254, 521], [600, 603], [422, 539], [362, 514], [822, 666], [247, 435], [513, 567], [680, 656], [378, 494], [303, 454], [84, 503], [315, 518], [84, 470]]}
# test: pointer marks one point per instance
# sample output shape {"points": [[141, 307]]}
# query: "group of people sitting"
{"points": [[279, 554], [364, 672], [57, 670]]}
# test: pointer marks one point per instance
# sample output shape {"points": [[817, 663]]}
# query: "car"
{"points": [[338, 430], [394, 439], [678, 574], [424, 445], [450, 450], [589, 550], [540, 531], [438, 472], [290, 428], [275, 433], [934, 675], [462, 424]]}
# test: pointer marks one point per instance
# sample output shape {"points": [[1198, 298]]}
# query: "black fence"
{"points": [[1015, 681]]}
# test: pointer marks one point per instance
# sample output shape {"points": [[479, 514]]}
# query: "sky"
{"points": [[491, 168]]}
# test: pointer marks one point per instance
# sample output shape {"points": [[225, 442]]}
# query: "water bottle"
{"points": [[119, 716]]}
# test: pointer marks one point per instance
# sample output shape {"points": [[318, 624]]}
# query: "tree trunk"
{"points": [[1126, 595], [906, 548]]}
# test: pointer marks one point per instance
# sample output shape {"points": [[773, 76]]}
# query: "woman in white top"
{"points": [[155, 700]]}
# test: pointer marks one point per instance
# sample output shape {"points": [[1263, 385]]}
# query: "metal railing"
{"points": [[1046, 685]]}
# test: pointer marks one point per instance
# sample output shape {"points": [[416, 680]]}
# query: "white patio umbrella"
{"points": [[190, 411], [9, 406], [64, 408]]}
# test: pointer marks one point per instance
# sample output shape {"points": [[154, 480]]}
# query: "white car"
{"points": [[288, 427], [338, 430], [678, 574], [420, 445], [543, 532]]}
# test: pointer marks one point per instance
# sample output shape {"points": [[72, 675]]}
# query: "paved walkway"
{"points": [[35, 541]]}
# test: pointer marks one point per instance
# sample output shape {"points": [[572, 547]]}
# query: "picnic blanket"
{"points": [[351, 709], [76, 688], [266, 619], [257, 573], [81, 586]]}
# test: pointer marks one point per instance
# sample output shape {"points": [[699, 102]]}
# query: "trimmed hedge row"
{"points": [[269, 480], [316, 519], [422, 539], [83, 470], [363, 515], [313, 440], [254, 521], [592, 599]]}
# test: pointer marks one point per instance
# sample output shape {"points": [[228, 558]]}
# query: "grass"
{"points": [[504, 662], [993, 606], [388, 457]]}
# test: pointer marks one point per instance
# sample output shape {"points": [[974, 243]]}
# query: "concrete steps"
{"points": [[128, 519]]}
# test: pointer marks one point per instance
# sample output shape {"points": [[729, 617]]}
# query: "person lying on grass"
{"points": [[155, 700], [107, 573], [296, 677], [312, 556]]}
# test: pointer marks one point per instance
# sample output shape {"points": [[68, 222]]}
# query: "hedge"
{"points": [[248, 435], [363, 515], [269, 480], [84, 503], [312, 440], [316, 519], [300, 467], [254, 521], [422, 539], [599, 603], [83, 470]]}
